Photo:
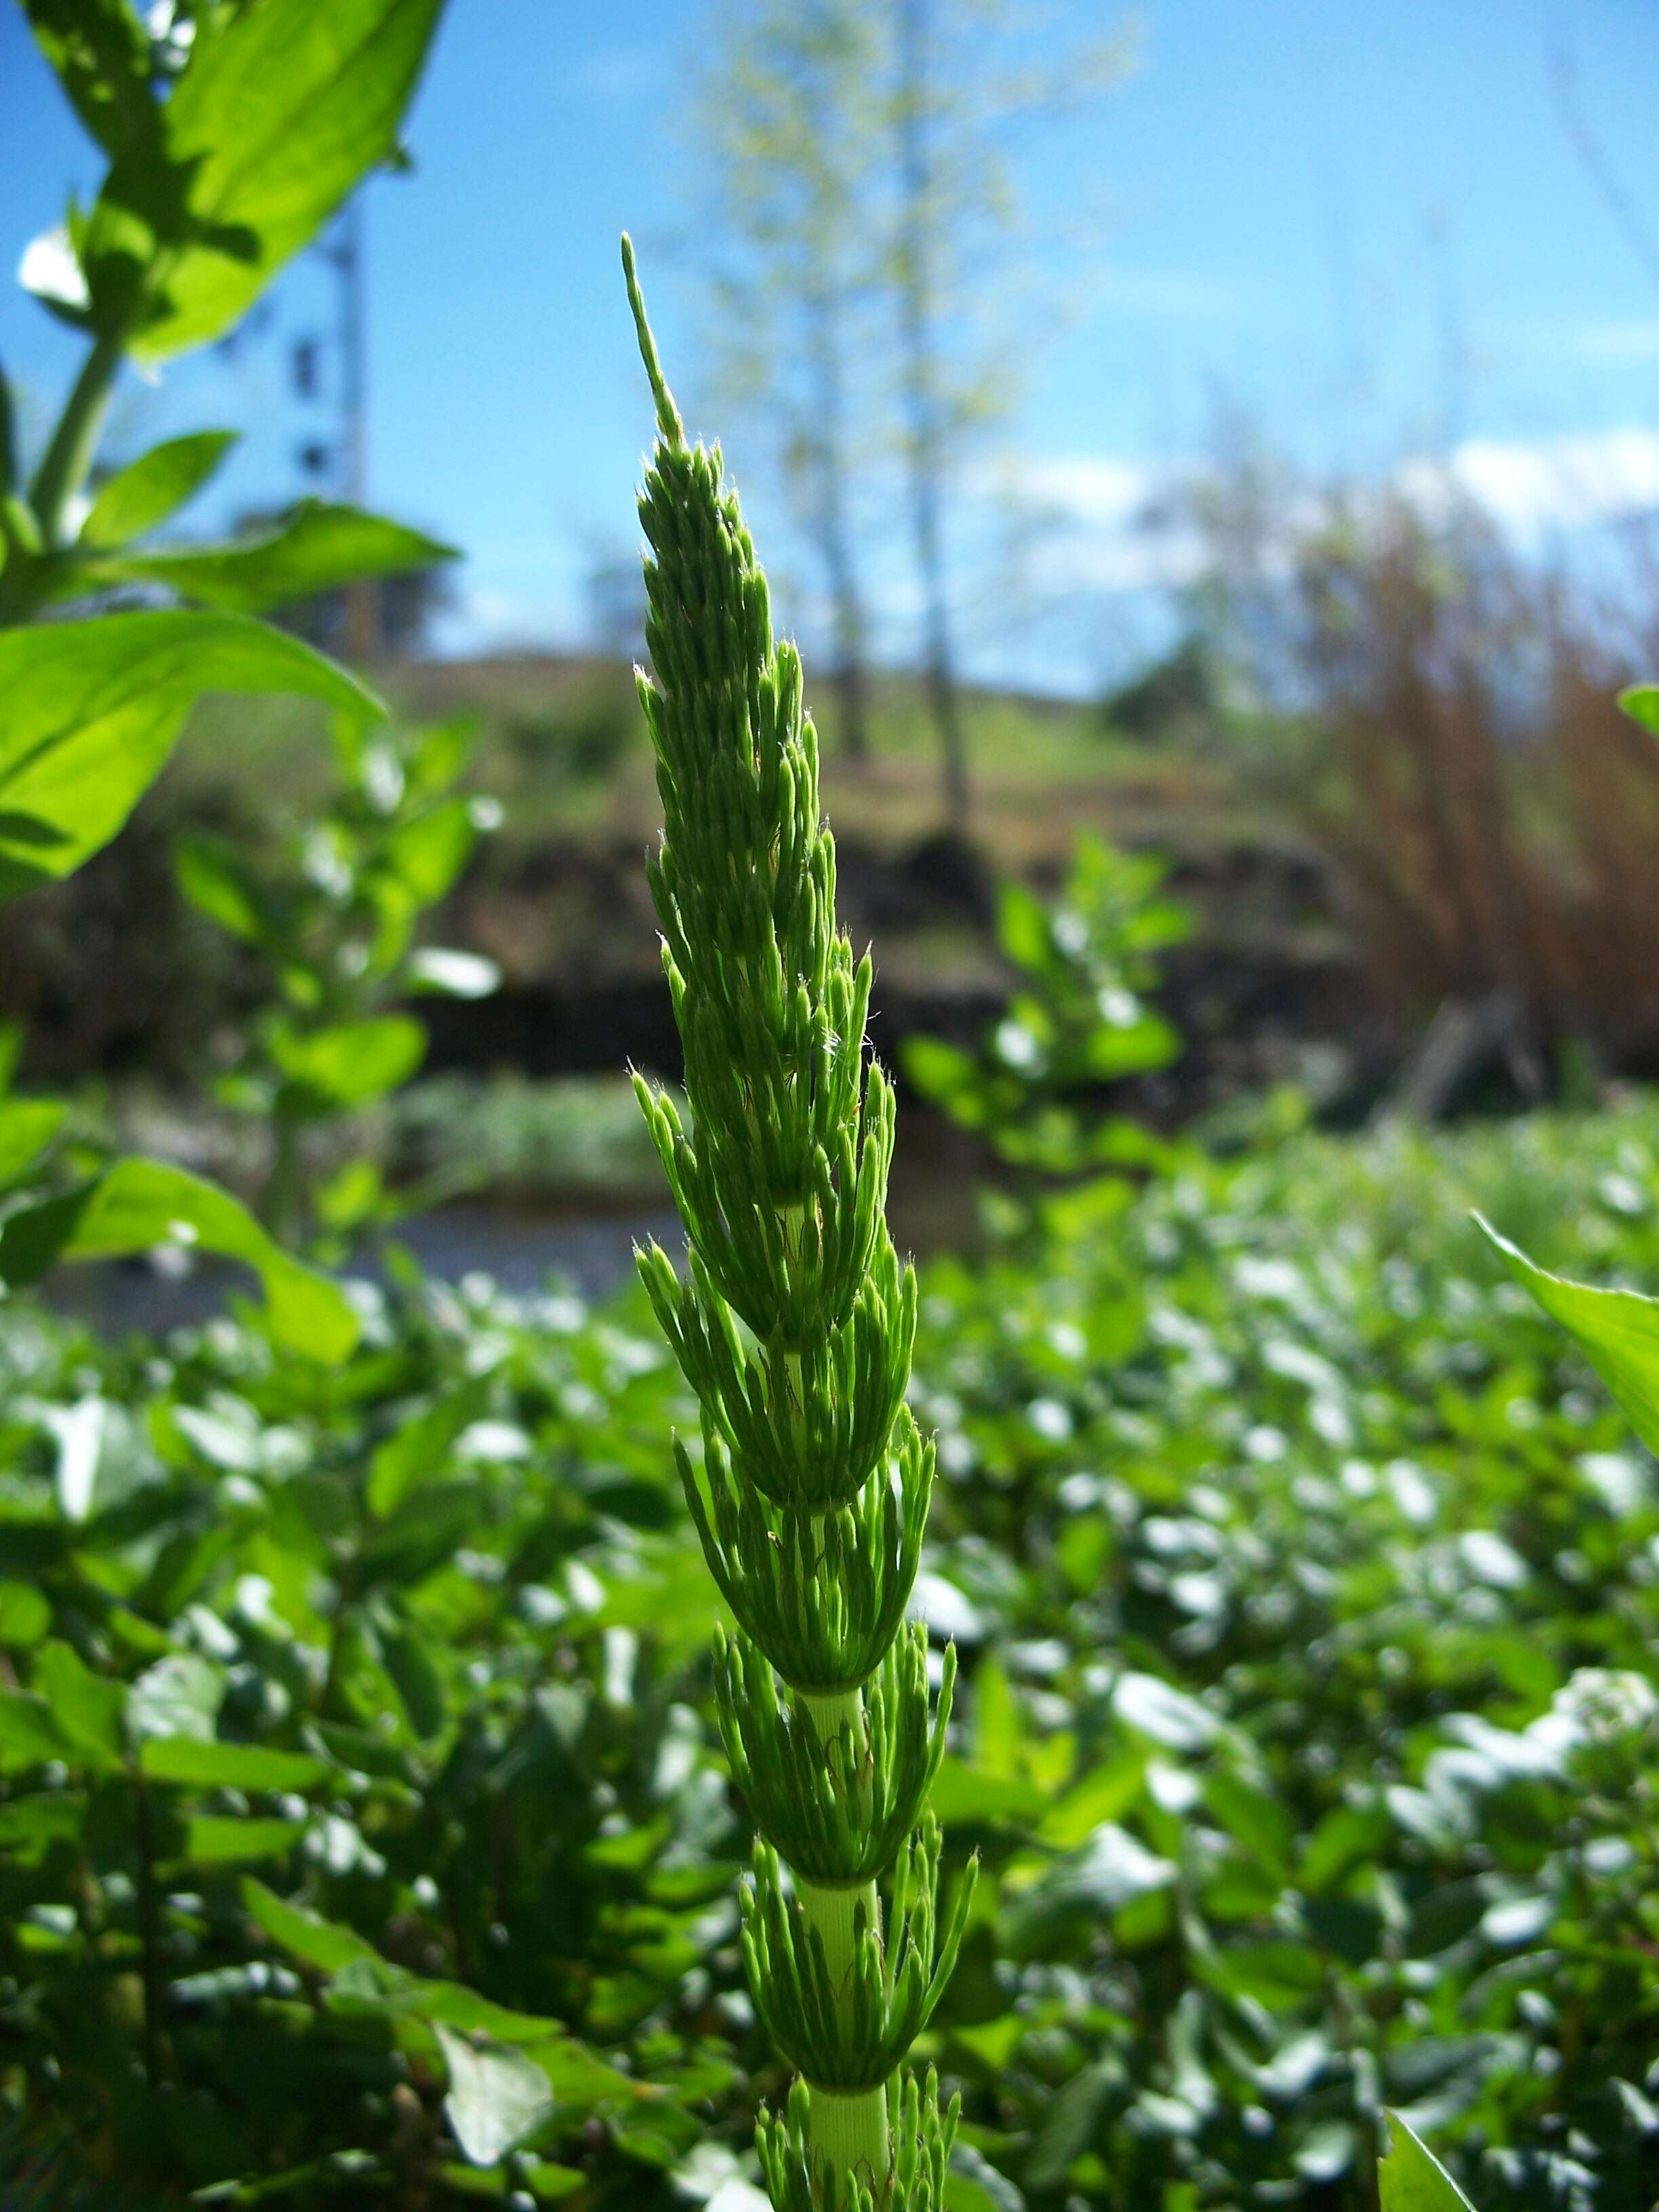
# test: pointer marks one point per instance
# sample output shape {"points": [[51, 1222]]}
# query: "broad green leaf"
{"points": [[973, 2184], [28, 1126], [1253, 1818], [217, 1765], [1023, 929], [211, 875], [89, 711], [1412, 2180], [1641, 703], [284, 108], [87, 1708], [101, 56], [142, 1203], [178, 1696], [30, 1826], [940, 1071], [497, 2096], [319, 550], [428, 854], [29, 1735], [1618, 1332], [351, 1062], [144, 494], [25, 1614], [310, 1938], [215, 1839], [421, 1448]]}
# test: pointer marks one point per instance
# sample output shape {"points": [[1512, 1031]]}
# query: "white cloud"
{"points": [[1567, 483], [1097, 489], [1103, 523]]}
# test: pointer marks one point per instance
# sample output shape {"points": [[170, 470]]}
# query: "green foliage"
{"points": [[1618, 1330], [274, 114], [229, 146], [1078, 1022], [794, 1331], [1302, 1575], [333, 912], [140, 1206], [91, 712], [1412, 2180]]}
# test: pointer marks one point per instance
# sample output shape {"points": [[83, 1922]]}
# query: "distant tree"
{"points": [[861, 174], [787, 120], [956, 104]]}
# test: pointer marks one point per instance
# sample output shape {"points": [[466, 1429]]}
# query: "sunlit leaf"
{"points": [[142, 496], [497, 2096], [319, 549], [282, 109], [140, 1205], [1412, 2180], [1618, 1332], [101, 56], [351, 1062], [89, 711]]}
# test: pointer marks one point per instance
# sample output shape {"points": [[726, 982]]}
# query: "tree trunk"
{"points": [[834, 534], [920, 374]]}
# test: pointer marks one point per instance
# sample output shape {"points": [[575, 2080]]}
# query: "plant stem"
{"points": [[149, 1932], [851, 2131], [62, 470]]}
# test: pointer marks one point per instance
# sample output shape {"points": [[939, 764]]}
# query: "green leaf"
{"points": [[178, 1696], [351, 1062], [101, 57], [421, 1448], [306, 1935], [141, 1204], [428, 854], [1641, 703], [497, 2096], [212, 1839], [1618, 1332], [28, 1126], [29, 1735], [940, 1071], [87, 1708], [210, 874], [1412, 2180], [1023, 929], [319, 550], [25, 1615], [214, 1765], [144, 494], [284, 108], [89, 711]]}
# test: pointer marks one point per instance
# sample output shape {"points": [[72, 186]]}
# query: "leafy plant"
{"points": [[334, 921], [795, 1332], [1079, 1022], [232, 134]]}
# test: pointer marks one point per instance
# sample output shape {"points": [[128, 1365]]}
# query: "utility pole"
{"points": [[352, 454]]}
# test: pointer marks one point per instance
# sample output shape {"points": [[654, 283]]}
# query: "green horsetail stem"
{"points": [[794, 1328]]}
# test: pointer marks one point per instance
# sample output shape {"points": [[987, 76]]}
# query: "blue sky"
{"points": [[1363, 227]]}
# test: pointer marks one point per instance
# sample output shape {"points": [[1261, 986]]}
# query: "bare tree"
{"points": [[786, 120], [956, 110]]}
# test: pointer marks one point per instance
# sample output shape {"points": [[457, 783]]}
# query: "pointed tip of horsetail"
{"points": [[668, 424]]}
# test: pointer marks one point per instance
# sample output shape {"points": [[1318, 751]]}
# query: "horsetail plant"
{"points": [[794, 1330]]}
